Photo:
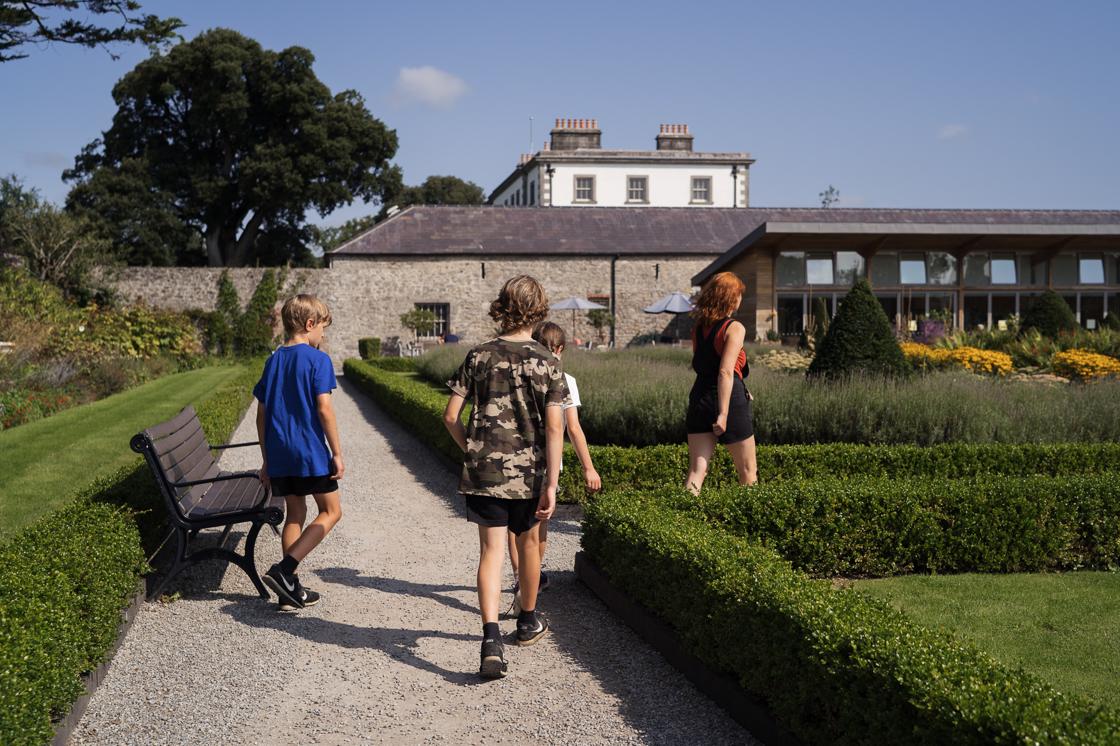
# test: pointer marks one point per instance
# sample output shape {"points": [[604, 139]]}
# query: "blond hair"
{"points": [[299, 309], [521, 303]]}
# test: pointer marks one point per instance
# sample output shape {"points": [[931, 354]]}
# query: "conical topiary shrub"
{"points": [[859, 340], [1050, 315], [1112, 321]]}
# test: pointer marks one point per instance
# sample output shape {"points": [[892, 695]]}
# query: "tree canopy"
{"points": [[24, 22], [235, 143], [437, 190]]}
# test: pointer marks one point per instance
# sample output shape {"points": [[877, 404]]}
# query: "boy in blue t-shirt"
{"points": [[295, 425]]}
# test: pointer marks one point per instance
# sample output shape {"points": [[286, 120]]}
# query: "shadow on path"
{"points": [[351, 577], [399, 644]]}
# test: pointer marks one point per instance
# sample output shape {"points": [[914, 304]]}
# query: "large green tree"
{"points": [[26, 22], [437, 190], [238, 142]]}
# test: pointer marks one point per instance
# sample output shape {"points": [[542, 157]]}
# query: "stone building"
{"points": [[573, 170]]}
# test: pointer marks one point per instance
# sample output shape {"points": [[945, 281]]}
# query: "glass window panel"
{"points": [[890, 306], [636, 189], [941, 268], [1092, 270], [1031, 272], [791, 311], [912, 269], [976, 271], [849, 267], [790, 269], [884, 270], [818, 269], [1064, 269], [1003, 270], [913, 306], [975, 310], [1003, 308], [1112, 267], [1092, 310], [701, 188]]}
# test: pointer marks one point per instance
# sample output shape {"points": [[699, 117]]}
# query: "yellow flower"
{"points": [[1084, 365]]}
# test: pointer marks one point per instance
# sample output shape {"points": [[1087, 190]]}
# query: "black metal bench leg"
{"points": [[177, 564], [225, 535], [250, 566]]}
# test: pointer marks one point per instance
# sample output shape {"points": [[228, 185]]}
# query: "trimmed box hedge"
{"points": [[835, 666], [875, 526], [369, 347], [65, 580], [410, 401], [655, 467]]}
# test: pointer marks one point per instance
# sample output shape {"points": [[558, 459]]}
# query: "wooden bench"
{"points": [[199, 495]]}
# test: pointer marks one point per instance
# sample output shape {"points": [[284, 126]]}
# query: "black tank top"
{"points": [[705, 358]]}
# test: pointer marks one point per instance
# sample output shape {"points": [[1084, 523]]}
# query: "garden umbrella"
{"points": [[575, 304], [672, 303]]}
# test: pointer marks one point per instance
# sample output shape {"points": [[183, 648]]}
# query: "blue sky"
{"points": [[898, 104]]}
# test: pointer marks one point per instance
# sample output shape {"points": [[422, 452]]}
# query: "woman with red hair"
{"points": [[719, 405]]}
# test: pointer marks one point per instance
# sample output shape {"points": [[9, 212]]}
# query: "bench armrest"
{"points": [[235, 445], [219, 478]]}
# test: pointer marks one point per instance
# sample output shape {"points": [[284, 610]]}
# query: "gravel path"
{"points": [[391, 653]]}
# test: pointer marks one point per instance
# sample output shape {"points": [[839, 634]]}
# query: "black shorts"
{"points": [[703, 406], [303, 486], [517, 515]]}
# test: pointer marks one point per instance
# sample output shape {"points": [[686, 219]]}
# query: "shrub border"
{"points": [[218, 417], [64, 728], [742, 706]]}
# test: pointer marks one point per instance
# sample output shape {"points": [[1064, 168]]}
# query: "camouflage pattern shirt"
{"points": [[509, 385]]}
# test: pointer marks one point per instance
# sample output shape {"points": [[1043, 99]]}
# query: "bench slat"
{"points": [[189, 497], [178, 471], [231, 497], [190, 433], [163, 429]]}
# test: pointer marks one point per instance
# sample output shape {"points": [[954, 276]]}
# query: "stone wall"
{"points": [[368, 295]]}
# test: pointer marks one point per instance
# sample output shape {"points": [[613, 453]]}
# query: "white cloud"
{"points": [[428, 86], [951, 131]]}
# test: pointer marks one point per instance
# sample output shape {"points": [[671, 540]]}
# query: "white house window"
{"points": [[1091, 270], [702, 189], [585, 189], [442, 312], [637, 189]]}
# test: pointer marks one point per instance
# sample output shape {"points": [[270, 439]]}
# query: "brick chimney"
{"points": [[576, 134], [674, 137]]}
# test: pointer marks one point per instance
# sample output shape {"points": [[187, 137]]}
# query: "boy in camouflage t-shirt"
{"points": [[513, 445]]}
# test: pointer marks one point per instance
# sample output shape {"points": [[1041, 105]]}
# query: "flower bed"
{"points": [[1085, 365]]}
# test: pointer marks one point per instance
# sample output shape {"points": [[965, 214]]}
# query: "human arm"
{"points": [[262, 425], [554, 451], [732, 345], [453, 423], [579, 442], [330, 429]]}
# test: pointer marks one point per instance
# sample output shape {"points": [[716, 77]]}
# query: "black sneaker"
{"points": [[493, 665], [307, 597], [284, 586], [528, 633]]}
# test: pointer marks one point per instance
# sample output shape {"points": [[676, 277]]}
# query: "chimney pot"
{"points": [[674, 137]]}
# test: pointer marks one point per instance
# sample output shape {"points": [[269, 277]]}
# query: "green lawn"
{"points": [[1063, 627], [47, 461]]}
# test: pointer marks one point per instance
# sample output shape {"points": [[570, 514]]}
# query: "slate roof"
{"points": [[485, 230]]}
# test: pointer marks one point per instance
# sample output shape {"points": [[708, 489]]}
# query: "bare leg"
{"points": [[529, 574], [701, 446], [294, 518], [542, 539], [490, 555], [746, 461], [511, 539], [330, 512]]}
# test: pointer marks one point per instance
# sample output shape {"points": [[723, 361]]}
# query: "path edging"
{"points": [[64, 728], [743, 707]]}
